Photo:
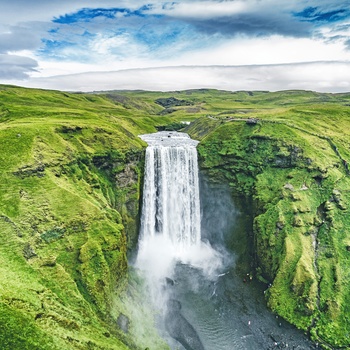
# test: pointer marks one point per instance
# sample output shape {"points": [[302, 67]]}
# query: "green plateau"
{"points": [[71, 169]]}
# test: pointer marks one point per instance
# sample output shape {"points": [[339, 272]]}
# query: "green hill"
{"points": [[69, 200], [71, 173]]}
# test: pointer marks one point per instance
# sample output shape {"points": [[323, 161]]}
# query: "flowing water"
{"points": [[197, 260]]}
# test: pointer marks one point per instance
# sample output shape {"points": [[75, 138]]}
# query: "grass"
{"points": [[63, 231], [71, 167], [293, 163]]}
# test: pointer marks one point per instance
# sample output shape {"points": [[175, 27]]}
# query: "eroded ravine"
{"points": [[196, 254]]}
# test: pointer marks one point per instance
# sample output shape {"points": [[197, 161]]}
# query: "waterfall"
{"points": [[170, 220], [171, 204]]}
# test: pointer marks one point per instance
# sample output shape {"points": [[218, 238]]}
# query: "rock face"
{"points": [[68, 211], [75, 234], [28, 251], [180, 329], [172, 102], [300, 194]]}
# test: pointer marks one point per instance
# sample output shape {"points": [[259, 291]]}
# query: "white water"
{"points": [[171, 191], [170, 220]]}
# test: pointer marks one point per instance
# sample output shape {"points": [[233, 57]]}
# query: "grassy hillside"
{"points": [[69, 201], [71, 168], [293, 161]]}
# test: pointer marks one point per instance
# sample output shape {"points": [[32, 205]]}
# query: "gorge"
{"points": [[223, 304], [72, 170]]}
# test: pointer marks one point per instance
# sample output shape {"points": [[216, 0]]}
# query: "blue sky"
{"points": [[237, 44]]}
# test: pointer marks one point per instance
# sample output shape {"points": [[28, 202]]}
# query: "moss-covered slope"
{"points": [[70, 168], [294, 163]]}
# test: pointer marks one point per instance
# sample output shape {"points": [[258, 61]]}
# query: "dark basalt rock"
{"points": [[28, 251], [31, 170], [123, 323], [172, 102], [252, 121], [180, 329]]}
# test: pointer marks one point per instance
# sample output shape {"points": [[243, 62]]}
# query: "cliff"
{"points": [[71, 169], [71, 172], [293, 162]]}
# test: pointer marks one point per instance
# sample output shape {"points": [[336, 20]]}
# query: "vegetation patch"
{"points": [[297, 180], [72, 165], [70, 193]]}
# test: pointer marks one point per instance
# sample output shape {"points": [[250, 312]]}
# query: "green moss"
{"points": [[71, 169], [19, 331], [70, 187], [298, 180]]}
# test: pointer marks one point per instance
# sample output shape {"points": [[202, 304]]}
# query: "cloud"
{"points": [[256, 18], [275, 50], [339, 33], [347, 44], [16, 67], [16, 11], [318, 76], [162, 30], [66, 36], [26, 36], [315, 14], [17, 42], [253, 25], [121, 32], [89, 14]]}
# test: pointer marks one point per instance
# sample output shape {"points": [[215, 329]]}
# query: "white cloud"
{"points": [[240, 51], [202, 9], [318, 76], [16, 67], [117, 47], [207, 9], [274, 50], [16, 11], [191, 33], [24, 36]]}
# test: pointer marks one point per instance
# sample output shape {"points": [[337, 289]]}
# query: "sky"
{"points": [[90, 45]]}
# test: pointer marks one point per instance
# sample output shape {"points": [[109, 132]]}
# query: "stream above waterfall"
{"points": [[196, 253]]}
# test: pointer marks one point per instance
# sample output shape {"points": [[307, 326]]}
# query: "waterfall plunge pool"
{"points": [[195, 251]]}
